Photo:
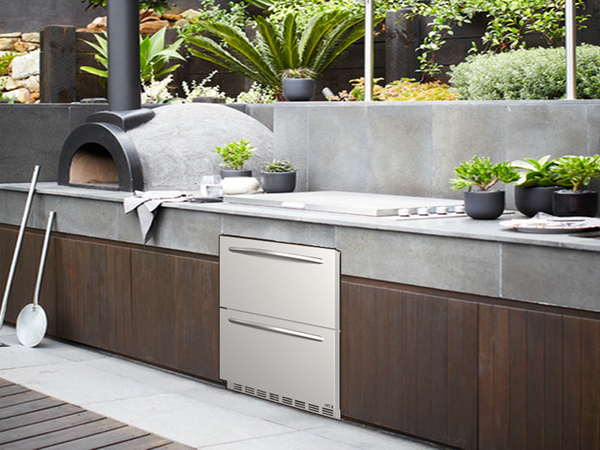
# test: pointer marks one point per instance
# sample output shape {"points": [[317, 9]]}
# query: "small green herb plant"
{"points": [[536, 172], [576, 171], [482, 173], [278, 165], [235, 154]]}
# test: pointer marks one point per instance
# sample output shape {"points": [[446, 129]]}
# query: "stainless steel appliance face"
{"points": [[287, 281], [279, 322]]}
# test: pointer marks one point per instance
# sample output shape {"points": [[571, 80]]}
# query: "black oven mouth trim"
{"points": [[119, 146]]}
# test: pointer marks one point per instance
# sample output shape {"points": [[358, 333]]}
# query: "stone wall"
{"points": [[22, 83]]}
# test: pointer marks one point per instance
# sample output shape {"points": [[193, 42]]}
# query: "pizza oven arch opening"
{"points": [[100, 155], [93, 164]]}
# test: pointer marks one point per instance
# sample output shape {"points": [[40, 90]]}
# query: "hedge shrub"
{"points": [[528, 74]]}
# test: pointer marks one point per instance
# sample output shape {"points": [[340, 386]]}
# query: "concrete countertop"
{"points": [[453, 254], [456, 227]]}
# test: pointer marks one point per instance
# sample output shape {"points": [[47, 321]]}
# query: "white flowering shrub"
{"points": [[157, 91]]}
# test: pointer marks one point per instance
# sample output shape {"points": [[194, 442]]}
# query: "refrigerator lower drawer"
{"points": [[282, 361]]}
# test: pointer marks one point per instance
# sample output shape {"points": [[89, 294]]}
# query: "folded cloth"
{"points": [[146, 204]]}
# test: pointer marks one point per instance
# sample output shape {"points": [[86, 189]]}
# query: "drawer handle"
{"points": [[259, 251], [273, 329]]}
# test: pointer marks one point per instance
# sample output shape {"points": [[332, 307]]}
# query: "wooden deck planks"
{"points": [[30, 420]]}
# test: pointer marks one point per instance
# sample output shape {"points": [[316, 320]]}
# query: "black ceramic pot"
{"points": [[274, 182], [484, 205], [298, 89], [579, 203], [235, 173], [532, 200]]}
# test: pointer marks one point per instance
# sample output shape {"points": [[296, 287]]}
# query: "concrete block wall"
{"points": [[412, 148]]}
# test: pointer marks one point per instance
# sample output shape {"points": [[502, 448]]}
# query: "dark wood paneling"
{"points": [[539, 380], [154, 305], [409, 362], [23, 286], [183, 306]]}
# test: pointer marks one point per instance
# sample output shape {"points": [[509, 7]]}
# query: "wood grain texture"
{"points": [[539, 380], [409, 363], [150, 304]]}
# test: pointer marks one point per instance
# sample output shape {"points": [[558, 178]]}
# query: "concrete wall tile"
{"points": [[338, 147], [399, 149], [290, 134], [460, 265], [462, 130], [552, 276]]}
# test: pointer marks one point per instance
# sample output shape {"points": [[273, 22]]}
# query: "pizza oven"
{"points": [[99, 154]]}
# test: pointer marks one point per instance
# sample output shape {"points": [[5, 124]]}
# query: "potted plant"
{"points": [[536, 185], [576, 172], [480, 172], [278, 176], [298, 84], [235, 155]]}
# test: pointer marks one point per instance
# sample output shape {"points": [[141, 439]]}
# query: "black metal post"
{"points": [[123, 55]]}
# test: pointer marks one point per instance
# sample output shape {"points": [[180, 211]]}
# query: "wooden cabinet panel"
{"points": [[539, 380], [153, 305], [175, 312], [409, 362], [23, 286], [94, 292]]}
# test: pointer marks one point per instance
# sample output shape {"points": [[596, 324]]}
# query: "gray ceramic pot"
{"points": [[484, 205], [581, 203], [298, 89], [535, 199], [275, 182]]}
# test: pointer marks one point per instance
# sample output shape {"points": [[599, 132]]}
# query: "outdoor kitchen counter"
{"points": [[454, 254]]}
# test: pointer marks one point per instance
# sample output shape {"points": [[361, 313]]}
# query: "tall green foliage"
{"points": [[153, 56], [508, 22], [279, 46]]}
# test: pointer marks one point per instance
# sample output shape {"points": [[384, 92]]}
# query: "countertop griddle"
{"points": [[349, 203]]}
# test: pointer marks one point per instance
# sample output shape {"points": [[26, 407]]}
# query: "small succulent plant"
{"points": [[576, 171], [278, 165], [482, 173]]}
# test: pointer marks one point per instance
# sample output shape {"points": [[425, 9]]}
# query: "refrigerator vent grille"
{"points": [[299, 404]]}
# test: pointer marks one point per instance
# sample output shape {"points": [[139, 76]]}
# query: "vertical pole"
{"points": [[570, 47], [123, 55], [369, 38]]}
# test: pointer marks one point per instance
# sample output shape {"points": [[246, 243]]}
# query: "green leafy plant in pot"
{"points": [[235, 155], [298, 84], [483, 203], [536, 185], [278, 176], [577, 173]]}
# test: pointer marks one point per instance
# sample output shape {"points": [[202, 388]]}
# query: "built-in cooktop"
{"points": [[354, 203]]}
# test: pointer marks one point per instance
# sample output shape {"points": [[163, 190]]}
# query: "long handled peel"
{"points": [[32, 321], [13, 264]]}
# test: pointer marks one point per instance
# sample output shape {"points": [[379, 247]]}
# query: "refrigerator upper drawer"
{"points": [[287, 281]]}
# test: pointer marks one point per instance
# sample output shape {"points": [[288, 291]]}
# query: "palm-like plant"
{"points": [[153, 56], [282, 47]]}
